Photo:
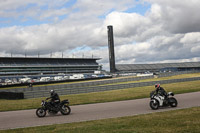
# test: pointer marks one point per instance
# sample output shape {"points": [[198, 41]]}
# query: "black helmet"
{"points": [[157, 86]]}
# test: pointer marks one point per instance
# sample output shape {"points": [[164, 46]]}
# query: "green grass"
{"points": [[177, 121], [106, 96]]}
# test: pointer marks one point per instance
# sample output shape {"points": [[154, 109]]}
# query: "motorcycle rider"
{"points": [[161, 91], [55, 100]]}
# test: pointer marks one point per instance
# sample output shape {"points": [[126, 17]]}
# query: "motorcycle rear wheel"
{"points": [[40, 112], [65, 110], [153, 105]]}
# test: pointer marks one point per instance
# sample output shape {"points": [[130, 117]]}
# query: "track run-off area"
{"points": [[87, 112]]}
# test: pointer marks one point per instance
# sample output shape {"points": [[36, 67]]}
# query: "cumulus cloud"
{"points": [[166, 27], [77, 30], [190, 38], [169, 31], [178, 16]]}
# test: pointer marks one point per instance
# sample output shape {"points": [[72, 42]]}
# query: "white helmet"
{"points": [[51, 91]]}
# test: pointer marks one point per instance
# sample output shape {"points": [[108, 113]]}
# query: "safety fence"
{"points": [[96, 86], [44, 92], [77, 84]]}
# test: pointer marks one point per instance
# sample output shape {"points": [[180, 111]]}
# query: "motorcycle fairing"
{"points": [[160, 100]]}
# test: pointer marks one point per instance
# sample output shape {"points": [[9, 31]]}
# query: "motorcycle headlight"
{"points": [[42, 103]]}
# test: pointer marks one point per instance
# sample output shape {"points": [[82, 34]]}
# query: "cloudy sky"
{"points": [[145, 31]]}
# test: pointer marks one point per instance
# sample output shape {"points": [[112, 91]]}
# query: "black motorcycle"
{"points": [[160, 101], [63, 107]]}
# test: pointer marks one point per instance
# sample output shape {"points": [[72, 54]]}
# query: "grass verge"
{"points": [[100, 97], [176, 121]]}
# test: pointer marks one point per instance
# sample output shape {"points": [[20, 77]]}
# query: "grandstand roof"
{"points": [[154, 67]]}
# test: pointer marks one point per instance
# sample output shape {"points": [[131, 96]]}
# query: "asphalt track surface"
{"points": [[80, 113]]}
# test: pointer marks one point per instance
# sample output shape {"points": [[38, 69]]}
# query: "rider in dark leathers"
{"points": [[55, 100], [160, 90]]}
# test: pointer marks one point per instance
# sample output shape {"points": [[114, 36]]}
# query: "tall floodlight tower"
{"points": [[111, 48]]}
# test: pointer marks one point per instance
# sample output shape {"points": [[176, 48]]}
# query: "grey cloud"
{"points": [[179, 16], [166, 33]]}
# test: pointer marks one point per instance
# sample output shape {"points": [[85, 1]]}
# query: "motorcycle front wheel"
{"points": [[173, 102], [65, 110], [153, 105], [40, 112]]}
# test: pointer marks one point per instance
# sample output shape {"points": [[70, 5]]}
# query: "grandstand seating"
{"points": [[159, 67], [19, 65]]}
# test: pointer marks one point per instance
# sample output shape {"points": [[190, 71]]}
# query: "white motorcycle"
{"points": [[160, 101]]}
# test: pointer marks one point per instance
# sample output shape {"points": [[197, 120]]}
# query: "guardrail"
{"points": [[76, 85], [95, 86], [44, 92]]}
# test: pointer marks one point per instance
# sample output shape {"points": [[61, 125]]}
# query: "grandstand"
{"points": [[32, 66], [160, 67]]}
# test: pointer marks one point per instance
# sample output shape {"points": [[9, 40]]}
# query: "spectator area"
{"points": [[21, 65], [160, 67]]}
